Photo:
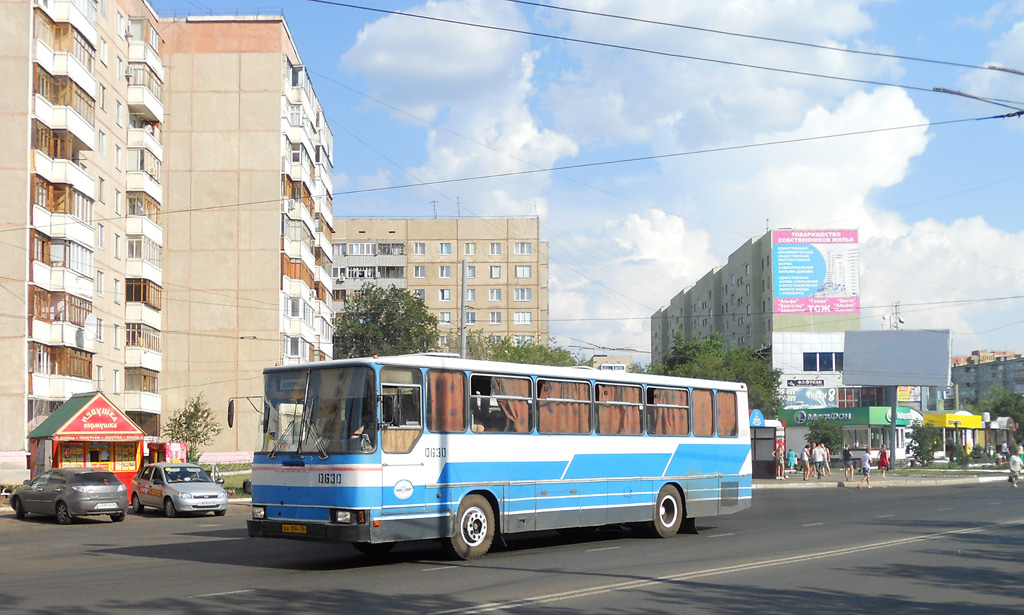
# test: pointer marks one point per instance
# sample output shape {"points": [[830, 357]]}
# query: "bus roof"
{"points": [[453, 362]]}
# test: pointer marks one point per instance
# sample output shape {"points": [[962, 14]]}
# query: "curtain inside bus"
{"points": [[671, 412], [703, 413], [725, 408], [563, 407], [618, 418], [517, 410], [447, 411]]}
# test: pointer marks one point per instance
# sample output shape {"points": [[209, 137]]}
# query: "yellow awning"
{"points": [[964, 421]]}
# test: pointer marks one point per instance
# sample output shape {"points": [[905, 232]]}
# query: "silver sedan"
{"points": [[67, 493]]}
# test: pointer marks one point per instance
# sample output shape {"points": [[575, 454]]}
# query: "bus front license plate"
{"points": [[293, 529]]}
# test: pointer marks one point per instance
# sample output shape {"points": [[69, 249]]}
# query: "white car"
{"points": [[178, 488]]}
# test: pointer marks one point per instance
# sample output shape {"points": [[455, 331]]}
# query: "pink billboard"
{"points": [[816, 272]]}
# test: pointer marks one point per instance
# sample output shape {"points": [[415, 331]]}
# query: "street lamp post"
{"points": [[956, 440]]}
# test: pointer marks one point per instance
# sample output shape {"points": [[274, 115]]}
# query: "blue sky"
{"points": [[937, 206]]}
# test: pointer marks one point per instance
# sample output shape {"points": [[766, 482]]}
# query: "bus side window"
{"points": [[725, 410], [446, 402], [703, 413], [668, 412], [618, 410], [563, 407]]}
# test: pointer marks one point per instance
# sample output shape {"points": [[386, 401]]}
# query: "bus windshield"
{"points": [[320, 411]]}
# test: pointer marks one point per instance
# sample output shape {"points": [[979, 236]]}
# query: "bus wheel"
{"points": [[668, 513], [373, 548], [474, 528]]}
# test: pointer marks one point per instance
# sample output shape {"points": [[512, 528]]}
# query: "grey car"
{"points": [[178, 488], [67, 493]]}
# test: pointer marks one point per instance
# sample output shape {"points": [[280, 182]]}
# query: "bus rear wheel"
{"points": [[668, 514], [474, 529]]}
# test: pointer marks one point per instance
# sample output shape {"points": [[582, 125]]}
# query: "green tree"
{"points": [[925, 441], [480, 346], [823, 430], [194, 425], [708, 358], [1006, 403], [384, 321]]}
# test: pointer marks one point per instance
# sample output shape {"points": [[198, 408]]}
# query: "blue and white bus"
{"points": [[381, 450]]}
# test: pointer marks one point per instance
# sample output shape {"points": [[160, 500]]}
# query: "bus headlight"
{"points": [[341, 516], [259, 512]]}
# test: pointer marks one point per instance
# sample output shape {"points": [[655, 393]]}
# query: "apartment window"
{"points": [[99, 330], [445, 318], [419, 271], [470, 294], [117, 202], [120, 25], [523, 294], [523, 318], [470, 271], [360, 249], [99, 377], [419, 248], [115, 382], [495, 248], [470, 249], [494, 294], [495, 318], [117, 336], [495, 272], [444, 294], [445, 248], [117, 246], [141, 290], [470, 318], [101, 95], [99, 236], [420, 294], [141, 379], [118, 113], [519, 340], [117, 157], [523, 248], [101, 143], [100, 184], [99, 283], [524, 271], [104, 54], [823, 361], [444, 272]]}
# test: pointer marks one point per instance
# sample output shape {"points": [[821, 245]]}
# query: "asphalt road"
{"points": [[956, 549]]}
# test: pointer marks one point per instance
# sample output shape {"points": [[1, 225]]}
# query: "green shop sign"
{"points": [[872, 415]]}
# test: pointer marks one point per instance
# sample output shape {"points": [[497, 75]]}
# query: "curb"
{"points": [[877, 482]]}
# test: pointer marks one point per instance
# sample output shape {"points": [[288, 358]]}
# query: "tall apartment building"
{"points": [[978, 376], [155, 254], [248, 216], [791, 294], [506, 270]]}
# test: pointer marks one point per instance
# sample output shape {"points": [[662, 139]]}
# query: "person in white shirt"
{"points": [[1016, 464], [865, 468]]}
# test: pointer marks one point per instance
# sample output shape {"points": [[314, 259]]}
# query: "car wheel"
{"points": [[117, 517], [19, 508], [474, 528], [63, 514], [220, 513], [137, 506], [169, 510]]}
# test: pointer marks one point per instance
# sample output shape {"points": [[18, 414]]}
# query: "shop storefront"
{"points": [[960, 428], [87, 431], [864, 428]]}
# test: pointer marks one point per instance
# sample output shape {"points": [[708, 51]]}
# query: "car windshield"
{"points": [[186, 474], [95, 479]]}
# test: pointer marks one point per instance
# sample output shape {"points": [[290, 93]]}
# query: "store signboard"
{"points": [[816, 272], [795, 398]]}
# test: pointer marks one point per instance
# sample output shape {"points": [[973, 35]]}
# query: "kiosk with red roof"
{"points": [[87, 431]]}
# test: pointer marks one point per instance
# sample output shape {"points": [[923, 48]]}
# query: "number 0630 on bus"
{"points": [[382, 450]]}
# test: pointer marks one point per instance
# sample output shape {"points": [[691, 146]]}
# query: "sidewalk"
{"points": [[795, 481]]}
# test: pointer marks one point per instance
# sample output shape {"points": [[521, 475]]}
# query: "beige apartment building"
{"points": [[506, 270], [148, 169]]}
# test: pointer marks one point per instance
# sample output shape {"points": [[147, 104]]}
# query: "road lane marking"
{"points": [[884, 516], [438, 568], [782, 561], [602, 549], [238, 591], [943, 509], [720, 535], [811, 524]]}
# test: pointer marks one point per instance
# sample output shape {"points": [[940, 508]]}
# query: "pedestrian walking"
{"points": [[1016, 464], [805, 460], [883, 461], [791, 460], [818, 456], [827, 455], [865, 468], [847, 463]]}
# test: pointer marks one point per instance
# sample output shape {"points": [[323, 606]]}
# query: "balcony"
{"points": [[62, 333], [68, 280], [140, 181], [140, 138], [142, 101], [138, 268], [64, 226], [141, 225], [64, 171], [79, 13], [138, 401], [141, 51], [296, 249], [59, 387], [61, 117], [140, 312], [64, 63], [137, 356]]}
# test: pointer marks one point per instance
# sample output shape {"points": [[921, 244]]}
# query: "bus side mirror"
{"points": [[266, 416], [387, 410], [231, 413]]}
